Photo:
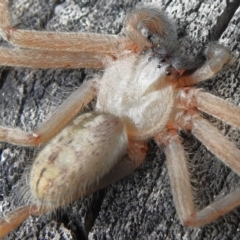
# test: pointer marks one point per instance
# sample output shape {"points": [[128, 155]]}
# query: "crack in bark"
{"points": [[224, 19]]}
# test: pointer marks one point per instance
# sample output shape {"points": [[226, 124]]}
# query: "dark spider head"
{"points": [[166, 59], [178, 64]]}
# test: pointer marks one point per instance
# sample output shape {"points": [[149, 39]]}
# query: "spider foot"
{"points": [[217, 55]]}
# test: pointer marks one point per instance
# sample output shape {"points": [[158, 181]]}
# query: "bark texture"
{"points": [[140, 206]]}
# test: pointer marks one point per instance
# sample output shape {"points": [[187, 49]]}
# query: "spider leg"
{"points": [[49, 59], [178, 173], [228, 153], [208, 103], [215, 142], [216, 55], [126, 166], [15, 218], [104, 44], [219, 146], [58, 120], [179, 176]]}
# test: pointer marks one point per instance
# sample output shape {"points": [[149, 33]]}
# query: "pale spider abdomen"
{"points": [[77, 158]]}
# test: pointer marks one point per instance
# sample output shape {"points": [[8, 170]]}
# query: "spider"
{"points": [[145, 92]]}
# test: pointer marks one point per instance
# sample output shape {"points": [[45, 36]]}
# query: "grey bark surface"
{"points": [[139, 206]]}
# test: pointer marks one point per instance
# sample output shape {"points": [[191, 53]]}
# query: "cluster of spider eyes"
{"points": [[156, 52], [162, 60]]}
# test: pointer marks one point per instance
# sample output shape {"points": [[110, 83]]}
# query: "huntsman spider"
{"points": [[146, 92]]}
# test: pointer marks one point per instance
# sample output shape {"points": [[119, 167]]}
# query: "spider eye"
{"points": [[159, 66]]}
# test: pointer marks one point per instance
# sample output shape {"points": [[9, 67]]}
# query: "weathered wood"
{"points": [[140, 206]]}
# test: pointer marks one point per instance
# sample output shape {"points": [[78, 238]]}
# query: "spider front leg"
{"points": [[45, 43], [21, 57]]}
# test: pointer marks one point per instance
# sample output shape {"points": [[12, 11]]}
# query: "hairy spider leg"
{"points": [[57, 121]]}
